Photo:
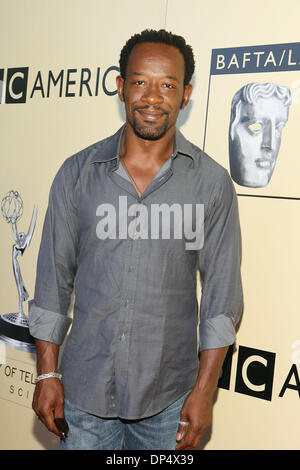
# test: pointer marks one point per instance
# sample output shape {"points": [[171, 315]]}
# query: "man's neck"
{"points": [[150, 152]]}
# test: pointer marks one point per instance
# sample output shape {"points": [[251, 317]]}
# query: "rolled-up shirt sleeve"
{"points": [[57, 261], [219, 263]]}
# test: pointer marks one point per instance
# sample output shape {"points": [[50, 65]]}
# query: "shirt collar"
{"points": [[183, 146], [109, 149]]}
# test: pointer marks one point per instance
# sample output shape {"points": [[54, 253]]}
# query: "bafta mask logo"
{"points": [[259, 112], [14, 327]]}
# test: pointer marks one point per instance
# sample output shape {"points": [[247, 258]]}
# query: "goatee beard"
{"points": [[150, 131]]}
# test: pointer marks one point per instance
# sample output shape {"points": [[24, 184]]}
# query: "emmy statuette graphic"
{"points": [[14, 327]]}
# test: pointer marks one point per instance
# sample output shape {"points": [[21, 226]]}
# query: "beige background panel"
{"points": [[20, 428], [216, 24], [271, 271], [271, 274], [68, 32]]}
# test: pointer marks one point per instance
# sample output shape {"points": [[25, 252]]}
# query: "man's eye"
{"points": [[168, 85], [139, 82], [255, 127]]}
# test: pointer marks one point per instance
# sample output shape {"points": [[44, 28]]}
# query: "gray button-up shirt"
{"points": [[133, 347]]}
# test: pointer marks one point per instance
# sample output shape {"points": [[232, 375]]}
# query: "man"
{"points": [[131, 377], [259, 112]]}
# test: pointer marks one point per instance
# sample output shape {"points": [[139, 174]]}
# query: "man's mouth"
{"points": [[150, 114]]}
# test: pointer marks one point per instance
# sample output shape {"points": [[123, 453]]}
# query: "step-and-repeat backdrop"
{"points": [[59, 62]]}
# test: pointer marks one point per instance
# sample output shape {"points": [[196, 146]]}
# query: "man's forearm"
{"points": [[196, 413], [211, 361], [48, 398], [47, 356]]}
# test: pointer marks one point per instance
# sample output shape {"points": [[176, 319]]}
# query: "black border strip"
{"points": [[206, 114], [270, 197]]}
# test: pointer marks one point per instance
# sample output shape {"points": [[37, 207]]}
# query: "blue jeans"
{"points": [[89, 432]]}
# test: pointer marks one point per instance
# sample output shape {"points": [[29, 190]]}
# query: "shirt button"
{"points": [[126, 303], [130, 269], [122, 337]]}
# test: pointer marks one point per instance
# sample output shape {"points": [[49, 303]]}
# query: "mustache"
{"points": [[151, 108]]}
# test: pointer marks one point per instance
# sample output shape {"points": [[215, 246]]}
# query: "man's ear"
{"points": [[120, 86], [186, 95]]}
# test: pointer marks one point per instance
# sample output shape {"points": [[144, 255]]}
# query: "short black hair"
{"points": [[163, 37]]}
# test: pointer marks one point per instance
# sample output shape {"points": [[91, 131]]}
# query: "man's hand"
{"points": [[48, 402], [48, 398], [197, 408], [197, 411]]}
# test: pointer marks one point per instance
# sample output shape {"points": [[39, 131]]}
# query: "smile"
{"points": [[150, 115]]}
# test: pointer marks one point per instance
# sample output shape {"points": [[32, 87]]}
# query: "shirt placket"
{"points": [[127, 309]]}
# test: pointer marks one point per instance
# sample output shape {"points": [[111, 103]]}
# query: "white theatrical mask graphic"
{"points": [[259, 112]]}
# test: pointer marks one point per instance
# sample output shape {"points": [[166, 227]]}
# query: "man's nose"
{"points": [[269, 137], [152, 95]]}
